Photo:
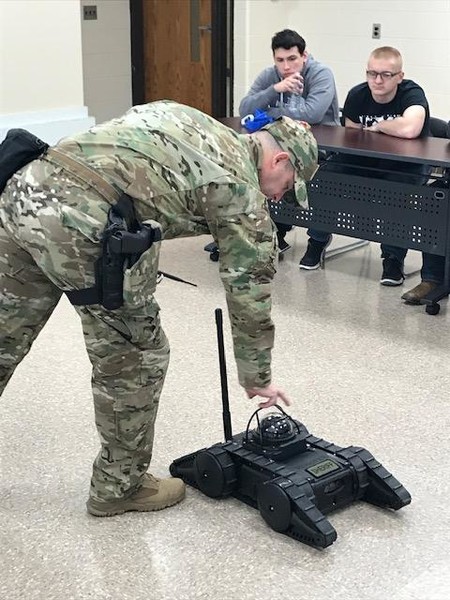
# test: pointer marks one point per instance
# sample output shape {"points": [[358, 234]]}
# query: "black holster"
{"points": [[124, 240]]}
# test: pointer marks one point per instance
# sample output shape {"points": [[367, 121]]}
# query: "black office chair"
{"points": [[439, 128]]}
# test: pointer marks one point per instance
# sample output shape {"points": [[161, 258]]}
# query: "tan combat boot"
{"points": [[155, 494]]}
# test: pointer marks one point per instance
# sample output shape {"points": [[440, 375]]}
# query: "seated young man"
{"points": [[388, 104], [297, 86]]}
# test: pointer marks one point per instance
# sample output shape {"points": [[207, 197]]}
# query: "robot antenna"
{"points": [[223, 377]]}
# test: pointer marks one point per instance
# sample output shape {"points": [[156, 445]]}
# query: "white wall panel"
{"points": [[107, 59], [41, 79], [40, 55]]}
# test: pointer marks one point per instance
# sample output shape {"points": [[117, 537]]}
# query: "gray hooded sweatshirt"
{"points": [[318, 104]]}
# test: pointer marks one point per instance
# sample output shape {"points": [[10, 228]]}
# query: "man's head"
{"points": [[289, 52], [290, 159], [384, 73]]}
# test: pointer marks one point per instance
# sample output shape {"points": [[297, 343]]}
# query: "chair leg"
{"points": [[346, 248]]}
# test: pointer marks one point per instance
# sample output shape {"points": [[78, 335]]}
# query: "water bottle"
{"points": [[294, 105]]}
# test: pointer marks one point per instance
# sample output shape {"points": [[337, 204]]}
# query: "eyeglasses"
{"points": [[385, 75]]}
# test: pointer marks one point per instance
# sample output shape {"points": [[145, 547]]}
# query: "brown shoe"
{"points": [[415, 295], [154, 494]]}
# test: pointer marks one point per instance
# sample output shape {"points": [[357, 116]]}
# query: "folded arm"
{"points": [[407, 126]]}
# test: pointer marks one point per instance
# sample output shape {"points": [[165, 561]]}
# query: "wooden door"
{"points": [[177, 51]]}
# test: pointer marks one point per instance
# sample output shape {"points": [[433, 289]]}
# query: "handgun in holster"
{"points": [[122, 248], [124, 240]]}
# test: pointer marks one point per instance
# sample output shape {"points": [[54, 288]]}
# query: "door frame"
{"points": [[222, 55]]}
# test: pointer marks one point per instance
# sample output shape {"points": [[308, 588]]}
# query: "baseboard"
{"points": [[49, 125]]}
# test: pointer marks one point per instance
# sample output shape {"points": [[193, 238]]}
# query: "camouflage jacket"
{"points": [[194, 175]]}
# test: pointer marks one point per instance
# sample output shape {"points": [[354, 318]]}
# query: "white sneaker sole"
{"points": [[391, 282]]}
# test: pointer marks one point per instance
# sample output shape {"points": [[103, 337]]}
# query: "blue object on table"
{"points": [[256, 121]]}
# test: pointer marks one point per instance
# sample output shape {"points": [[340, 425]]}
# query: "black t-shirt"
{"points": [[360, 107]]}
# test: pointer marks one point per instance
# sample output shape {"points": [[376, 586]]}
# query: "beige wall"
{"points": [[339, 33], [40, 55], [107, 59], [41, 80], [52, 63]]}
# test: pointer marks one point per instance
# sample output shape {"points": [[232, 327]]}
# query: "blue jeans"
{"points": [[319, 236], [432, 267], [432, 264]]}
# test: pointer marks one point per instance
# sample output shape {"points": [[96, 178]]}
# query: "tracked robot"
{"points": [[291, 476]]}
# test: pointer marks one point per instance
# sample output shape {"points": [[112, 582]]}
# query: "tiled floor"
{"points": [[361, 367]]}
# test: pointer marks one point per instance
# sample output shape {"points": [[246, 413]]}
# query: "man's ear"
{"points": [[280, 157]]}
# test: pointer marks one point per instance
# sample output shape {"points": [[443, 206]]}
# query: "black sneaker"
{"points": [[314, 255], [392, 272], [283, 246]]}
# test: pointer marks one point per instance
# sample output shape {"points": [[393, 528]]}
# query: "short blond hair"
{"points": [[387, 52]]}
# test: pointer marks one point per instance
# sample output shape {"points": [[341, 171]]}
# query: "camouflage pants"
{"points": [[49, 240]]}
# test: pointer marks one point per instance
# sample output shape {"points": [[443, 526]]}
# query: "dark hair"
{"points": [[287, 39]]}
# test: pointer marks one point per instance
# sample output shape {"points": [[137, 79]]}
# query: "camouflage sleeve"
{"points": [[239, 220]]}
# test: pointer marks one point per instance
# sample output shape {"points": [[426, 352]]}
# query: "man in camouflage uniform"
{"points": [[188, 175]]}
